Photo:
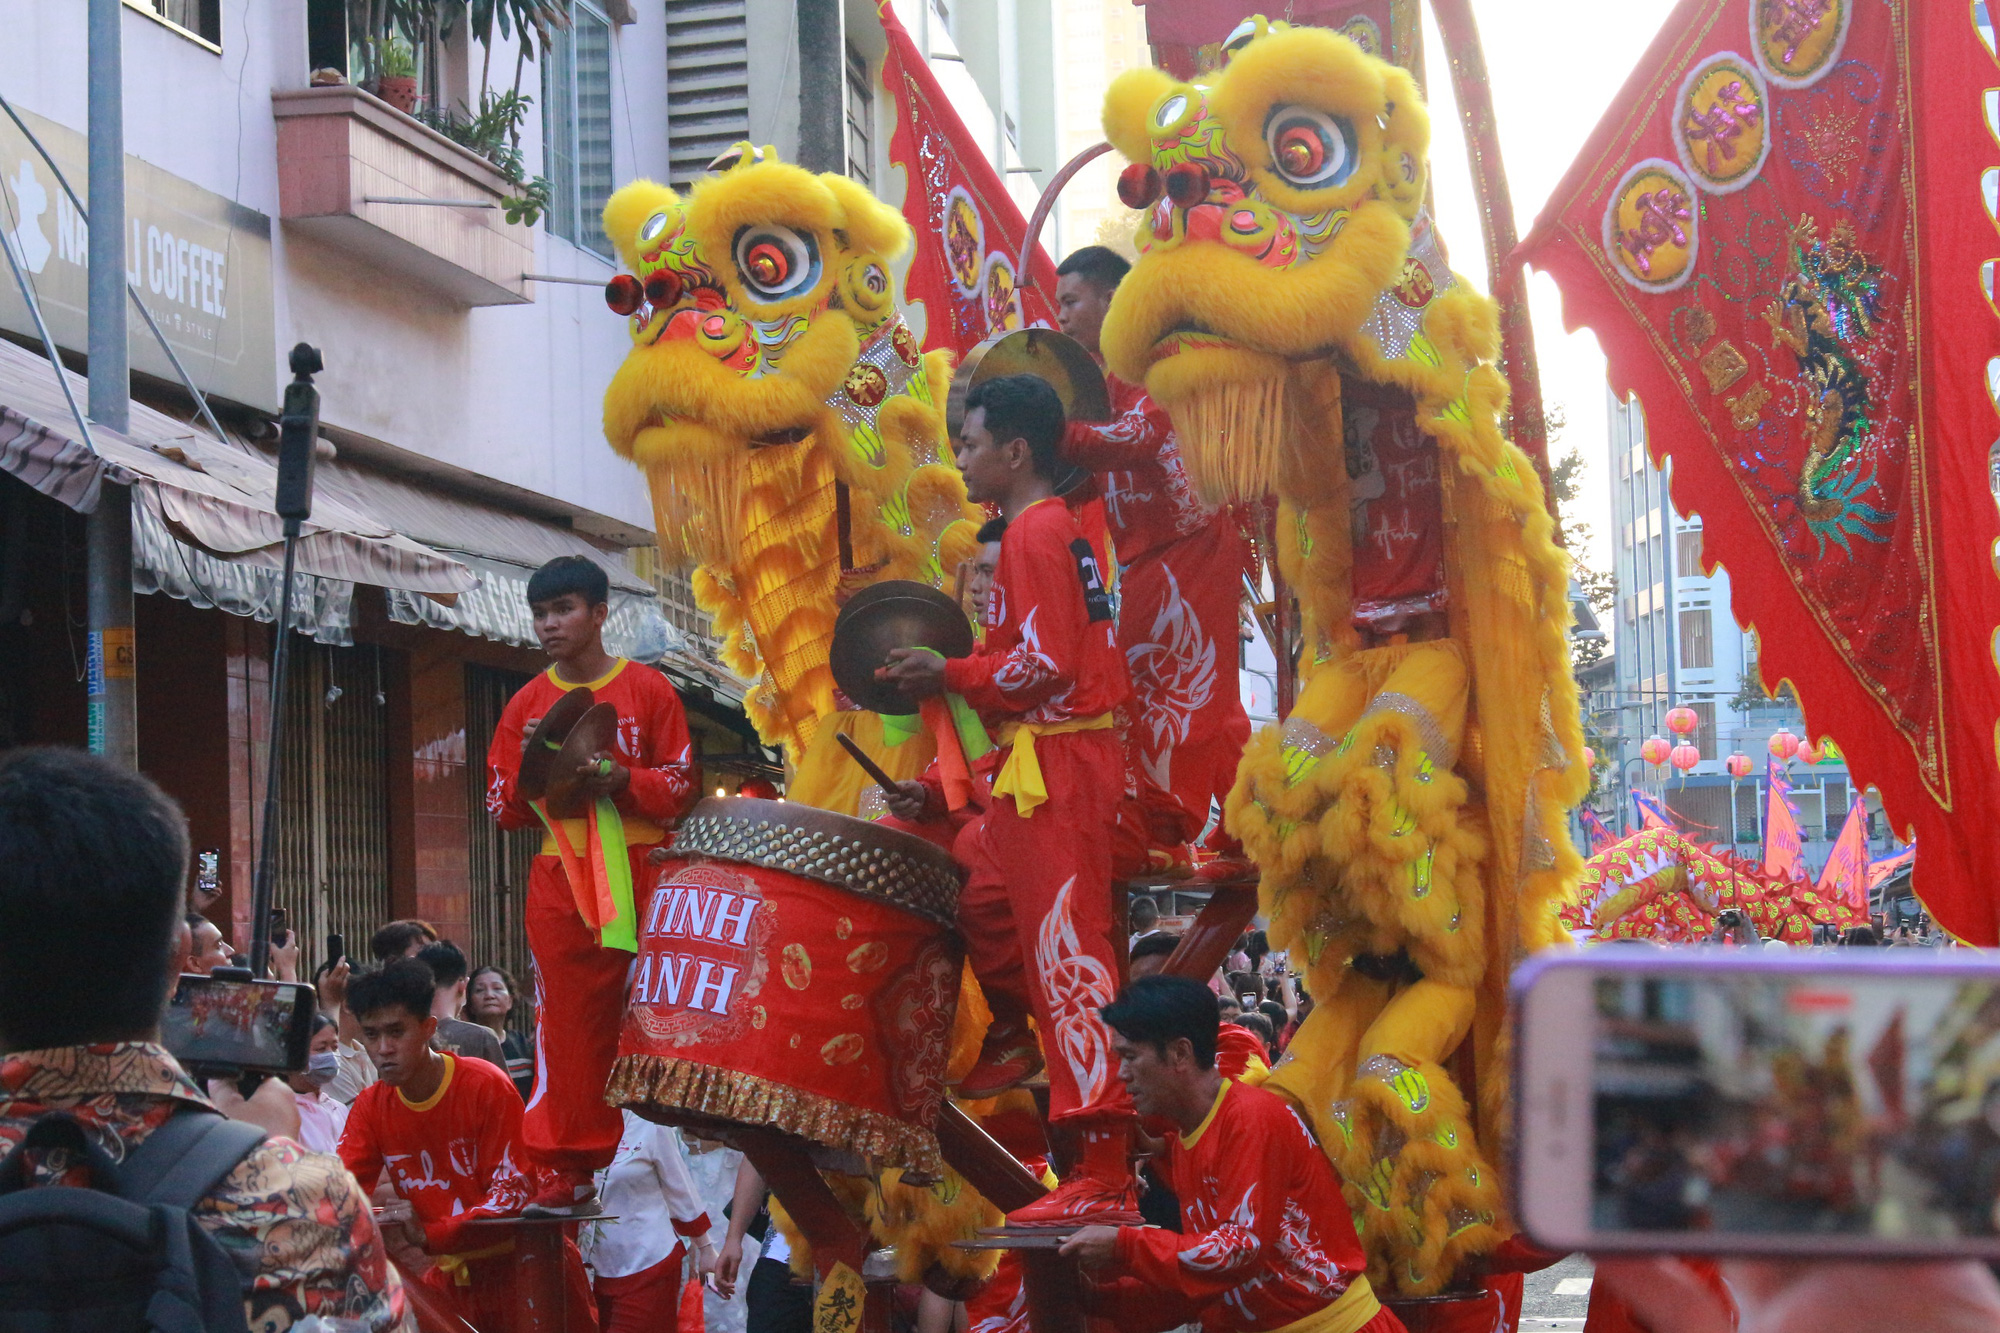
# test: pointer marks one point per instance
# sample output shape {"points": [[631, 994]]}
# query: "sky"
{"points": [[1555, 65]]}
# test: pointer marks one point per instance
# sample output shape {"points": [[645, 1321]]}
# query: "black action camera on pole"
{"points": [[298, 449]]}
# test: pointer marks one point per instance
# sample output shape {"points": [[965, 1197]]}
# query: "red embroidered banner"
{"points": [[1776, 232], [968, 229]]}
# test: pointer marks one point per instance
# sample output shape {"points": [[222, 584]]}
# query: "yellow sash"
{"points": [[1356, 1307], [454, 1265], [1021, 776], [638, 833]]}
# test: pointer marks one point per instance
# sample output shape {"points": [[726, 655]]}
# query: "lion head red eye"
{"points": [[776, 262], [623, 294], [1310, 148], [663, 289]]}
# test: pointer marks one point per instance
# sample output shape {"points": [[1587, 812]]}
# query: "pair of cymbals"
{"points": [[566, 738], [896, 613], [1054, 357]]}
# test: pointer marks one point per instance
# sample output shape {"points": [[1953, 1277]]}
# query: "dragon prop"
{"points": [[1293, 310], [789, 426], [1658, 885]]}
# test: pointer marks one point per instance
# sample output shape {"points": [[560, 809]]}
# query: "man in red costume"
{"points": [[448, 1131], [1266, 1240], [1036, 907], [1180, 569], [570, 1134]]}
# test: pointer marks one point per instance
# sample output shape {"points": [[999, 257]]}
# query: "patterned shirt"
{"points": [[296, 1224]]}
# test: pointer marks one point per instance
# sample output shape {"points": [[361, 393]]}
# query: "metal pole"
{"points": [[822, 86], [113, 665]]}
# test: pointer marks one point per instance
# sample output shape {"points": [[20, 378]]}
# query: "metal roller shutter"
{"points": [[499, 860]]}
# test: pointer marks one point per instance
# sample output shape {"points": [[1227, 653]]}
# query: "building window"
{"points": [[1697, 645], [197, 18], [1704, 731], [1687, 554], [1748, 799], [1836, 805], [860, 121], [576, 128], [708, 84]]}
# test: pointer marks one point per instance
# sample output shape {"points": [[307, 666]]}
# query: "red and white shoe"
{"points": [[1008, 1057], [565, 1194], [1083, 1201]]}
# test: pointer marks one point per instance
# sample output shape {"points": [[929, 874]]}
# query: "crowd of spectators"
{"points": [[1255, 988]]}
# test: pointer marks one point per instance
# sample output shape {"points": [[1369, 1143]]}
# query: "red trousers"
{"points": [[490, 1301], [647, 1301], [1178, 612], [579, 1004], [1036, 916]]}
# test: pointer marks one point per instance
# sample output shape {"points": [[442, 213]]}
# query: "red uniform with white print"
{"points": [[579, 985], [1266, 1239], [1397, 501], [1180, 587], [453, 1157], [1036, 908]]}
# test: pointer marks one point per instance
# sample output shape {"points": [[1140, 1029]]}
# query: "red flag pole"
{"points": [[1496, 224]]}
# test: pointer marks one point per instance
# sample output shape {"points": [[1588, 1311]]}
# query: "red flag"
{"points": [[1783, 842], [1845, 875], [1777, 235], [968, 229]]}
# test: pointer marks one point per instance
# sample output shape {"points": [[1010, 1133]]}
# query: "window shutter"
{"points": [[708, 84]]}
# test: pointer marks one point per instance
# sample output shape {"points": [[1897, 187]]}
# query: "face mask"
{"points": [[321, 1066]]}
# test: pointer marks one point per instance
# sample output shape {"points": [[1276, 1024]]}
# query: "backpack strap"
{"points": [[182, 1160]]}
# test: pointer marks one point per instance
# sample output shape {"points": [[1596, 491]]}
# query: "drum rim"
{"points": [[822, 847]]}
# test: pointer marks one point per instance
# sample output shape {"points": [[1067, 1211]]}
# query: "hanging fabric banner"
{"points": [[1651, 813], [1881, 869], [1594, 831], [1776, 232], [1783, 843], [968, 228]]}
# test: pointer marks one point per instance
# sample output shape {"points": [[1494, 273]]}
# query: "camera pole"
{"points": [[298, 442]]}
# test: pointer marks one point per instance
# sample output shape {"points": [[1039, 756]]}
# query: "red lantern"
{"points": [[1684, 757], [1783, 746], [1807, 753], [1682, 721], [1589, 757], [1739, 765], [1655, 750]]}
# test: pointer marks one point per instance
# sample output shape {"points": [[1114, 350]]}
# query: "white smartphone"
{"points": [[1737, 1101]]}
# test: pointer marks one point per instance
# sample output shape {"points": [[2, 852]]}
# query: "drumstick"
{"points": [[868, 766]]}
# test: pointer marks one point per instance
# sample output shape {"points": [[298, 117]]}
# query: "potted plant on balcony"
{"points": [[396, 73]]}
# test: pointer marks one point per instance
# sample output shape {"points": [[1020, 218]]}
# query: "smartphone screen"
{"points": [[1816, 1103], [240, 1025]]}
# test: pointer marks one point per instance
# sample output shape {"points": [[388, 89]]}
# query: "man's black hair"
{"points": [[445, 960], [1155, 944], [1023, 407], [1162, 1009], [1252, 1021], [992, 530], [93, 865], [405, 981], [195, 920], [394, 940], [1096, 263], [570, 573]]}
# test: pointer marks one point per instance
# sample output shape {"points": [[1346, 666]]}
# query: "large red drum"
{"points": [[796, 969]]}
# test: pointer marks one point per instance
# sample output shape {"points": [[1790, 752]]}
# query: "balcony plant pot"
{"points": [[398, 92]]}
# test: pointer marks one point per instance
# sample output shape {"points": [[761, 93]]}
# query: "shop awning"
{"points": [[206, 494]]}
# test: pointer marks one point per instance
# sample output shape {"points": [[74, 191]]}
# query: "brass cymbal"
{"points": [[595, 731], [538, 756], [1048, 355], [889, 615]]}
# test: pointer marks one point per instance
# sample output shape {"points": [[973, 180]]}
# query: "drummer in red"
{"points": [[1180, 569], [1036, 908], [1266, 1240], [447, 1131], [570, 1133]]}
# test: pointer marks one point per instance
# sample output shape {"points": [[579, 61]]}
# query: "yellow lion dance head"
{"points": [[788, 423]]}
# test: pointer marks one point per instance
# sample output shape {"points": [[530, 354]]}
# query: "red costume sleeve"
{"points": [[660, 791], [1047, 599], [1203, 1265], [503, 766], [361, 1142], [1129, 440], [498, 1119]]}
